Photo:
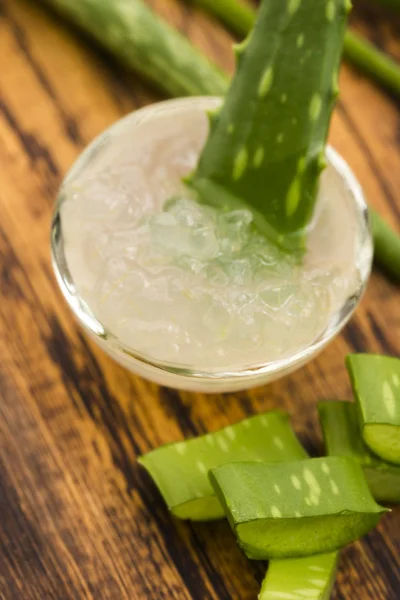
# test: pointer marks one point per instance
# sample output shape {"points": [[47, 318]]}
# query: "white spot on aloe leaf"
{"points": [[246, 424], [283, 98], [275, 512], [293, 197], [315, 107], [334, 487], [318, 582], [222, 444], [231, 128], [312, 481], [308, 593], [279, 138], [300, 40], [201, 466], [277, 488], [396, 380], [295, 482], [314, 500], [389, 399], [297, 514], [265, 82], [230, 433], [308, 501], [316, 568], [278, 442], [325, 467], [294, 121], [330, 10], [277, 595], [180, 447], [293, 6], [258, 157], [240, 164], [210, 440]]}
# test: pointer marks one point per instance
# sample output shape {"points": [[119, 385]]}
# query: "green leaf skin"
{"points": [[180, 470], [266, 144], [376, 386], [386, 245], [296, 509], [342, 437], [236, 14], [140, 39], [310, 577], [239, 16]]}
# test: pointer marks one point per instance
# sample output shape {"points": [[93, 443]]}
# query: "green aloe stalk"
{"points": [[342, 437], [180, 470], [296, 509], [386, 245], [376, 385], [140, 39], [356, 49], [300, 578], [266, 144]]}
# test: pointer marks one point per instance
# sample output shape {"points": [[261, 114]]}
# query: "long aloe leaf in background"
{"points": [[131, 31], [266, 144], [342, 437]]}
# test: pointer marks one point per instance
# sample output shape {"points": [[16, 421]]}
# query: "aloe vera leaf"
{"points": [[239, 16], [357, 50], [342, 437], [308, 577], [180, 470], [266, 143], [140, 39], [386, 245], [376, 385], [272, 508]]}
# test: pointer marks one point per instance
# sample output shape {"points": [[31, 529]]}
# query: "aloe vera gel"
{"points": [[195, 285]]}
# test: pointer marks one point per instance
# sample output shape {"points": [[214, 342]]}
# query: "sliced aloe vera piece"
{"points": [[180, 470], [309, 577], [342, 438], [296, 509], [266, 144], [376, 385]]}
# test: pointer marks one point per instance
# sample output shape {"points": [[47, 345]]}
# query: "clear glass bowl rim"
{"points": [[108, 340]]}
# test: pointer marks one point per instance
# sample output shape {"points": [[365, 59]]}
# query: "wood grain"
{"points": [[79, 519]]}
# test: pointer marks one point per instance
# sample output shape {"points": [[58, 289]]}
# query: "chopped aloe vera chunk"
{"points": [[180, 470], [376, 385], [342, 438], [309, 577], [297, 508]]}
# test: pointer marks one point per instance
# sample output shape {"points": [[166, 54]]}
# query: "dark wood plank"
{"points": [[79, 518]]}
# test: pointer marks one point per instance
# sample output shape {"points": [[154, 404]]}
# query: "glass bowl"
{"points": [[119, 145]]}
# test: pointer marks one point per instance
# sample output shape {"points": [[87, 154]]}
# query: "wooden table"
{"points": [[79, 518]]}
